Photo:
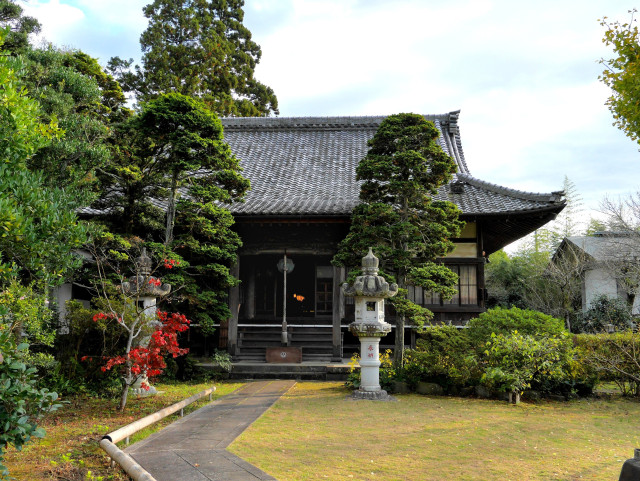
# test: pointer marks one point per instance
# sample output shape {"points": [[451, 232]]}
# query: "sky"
{"points": [[523, 74]]}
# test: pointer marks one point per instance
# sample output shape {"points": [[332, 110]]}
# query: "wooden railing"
{"points": [[133, 469]]}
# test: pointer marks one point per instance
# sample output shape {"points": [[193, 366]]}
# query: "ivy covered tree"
{"points": [[400, 219], [622, 74], [202, 49]]}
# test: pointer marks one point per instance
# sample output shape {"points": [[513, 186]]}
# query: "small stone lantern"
{"points": [[145, 289], [370, 290]]}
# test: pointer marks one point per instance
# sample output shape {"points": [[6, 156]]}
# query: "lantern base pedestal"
{"points": [[380, 395]]}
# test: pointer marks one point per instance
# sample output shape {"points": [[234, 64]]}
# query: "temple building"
{"points": [[303, 189]]}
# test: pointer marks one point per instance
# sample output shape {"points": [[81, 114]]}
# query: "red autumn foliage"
{"points": [[101, 315], [150, 359], [170, 263]]}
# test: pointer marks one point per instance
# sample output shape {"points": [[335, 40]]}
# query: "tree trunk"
{"points": [[566, 301], [398, 352], [171, 210], [127, 374], [123, 397], [129, 209]]}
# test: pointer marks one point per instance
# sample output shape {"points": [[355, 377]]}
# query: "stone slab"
{"points": [[284, 355], [193, 448]]}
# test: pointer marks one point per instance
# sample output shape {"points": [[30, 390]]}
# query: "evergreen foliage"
{"points": [[506, 321], [73, 90], [602, 312], [199, 48], [173, 146], [399, 218], [38, 232], [622, 74], [18, 26], [39, 228]]}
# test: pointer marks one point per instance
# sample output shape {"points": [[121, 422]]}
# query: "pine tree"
{"points": [[200, 48], [72, 88], [20, 27], [398, 216], [175, 146]]}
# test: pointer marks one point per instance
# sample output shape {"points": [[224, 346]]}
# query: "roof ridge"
{"points": [[322, 121], [554, 197]]}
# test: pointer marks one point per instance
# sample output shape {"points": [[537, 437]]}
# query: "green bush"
{"points": [[603, 311], [388, 373], [505, 321], [22, 401], [614, 358], [514, 361], [444, 355]]}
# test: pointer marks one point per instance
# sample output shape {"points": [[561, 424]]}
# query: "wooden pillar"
{"points": [[338, 312], [234, 306], [482, 288], [250, 299]]}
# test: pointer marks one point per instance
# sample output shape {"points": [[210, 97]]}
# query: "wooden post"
{"points": [[338, 312], [284, 291], [251, 293], [234, 304]]}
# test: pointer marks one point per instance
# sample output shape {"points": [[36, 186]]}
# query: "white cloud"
{"points": [[524, 75], [57, 19]]}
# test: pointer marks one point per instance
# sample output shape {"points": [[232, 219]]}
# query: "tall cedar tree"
{"points": [[399, 217], [175, 145], [199, 48]]}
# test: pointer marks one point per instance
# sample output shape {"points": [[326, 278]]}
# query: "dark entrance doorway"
{"points": [[309, 287]]}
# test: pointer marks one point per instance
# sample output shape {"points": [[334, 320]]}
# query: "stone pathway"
{"points": [[193, 448]]}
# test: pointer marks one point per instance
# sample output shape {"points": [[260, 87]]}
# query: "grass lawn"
{"points": [[70, 450], [314, 432]]}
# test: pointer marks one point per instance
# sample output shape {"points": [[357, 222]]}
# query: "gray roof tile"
{"points": [[306, 166]]}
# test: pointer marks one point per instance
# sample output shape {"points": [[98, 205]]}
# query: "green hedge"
{"points": [[503, 349], [613, 358]]}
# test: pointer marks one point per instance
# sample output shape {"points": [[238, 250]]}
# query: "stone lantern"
{"points": [[145, 289], [369, 291]]}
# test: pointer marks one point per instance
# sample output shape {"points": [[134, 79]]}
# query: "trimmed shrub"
{"points": [[444, 355], [387, 371], [515, 362], [505, 321]]}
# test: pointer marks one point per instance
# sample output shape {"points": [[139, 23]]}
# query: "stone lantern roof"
{"points": [[370, 284], [144, 284]]}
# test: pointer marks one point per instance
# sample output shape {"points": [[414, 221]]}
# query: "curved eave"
{"points": [[501, 229]]}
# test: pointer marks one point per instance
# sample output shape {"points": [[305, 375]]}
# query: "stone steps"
{"points": [[308, 371], [316, 343]]}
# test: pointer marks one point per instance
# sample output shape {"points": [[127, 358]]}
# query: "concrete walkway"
{"points": [[193, 448]]}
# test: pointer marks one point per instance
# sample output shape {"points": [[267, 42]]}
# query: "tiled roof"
{"points": [[306, 166], [608, 246]]}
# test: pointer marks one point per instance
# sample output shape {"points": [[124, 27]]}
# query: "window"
{"points": [[324, 289], [467, 290]]}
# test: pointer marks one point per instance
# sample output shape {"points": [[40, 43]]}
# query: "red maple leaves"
{"points": [[150, 359], [171, 263]]}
